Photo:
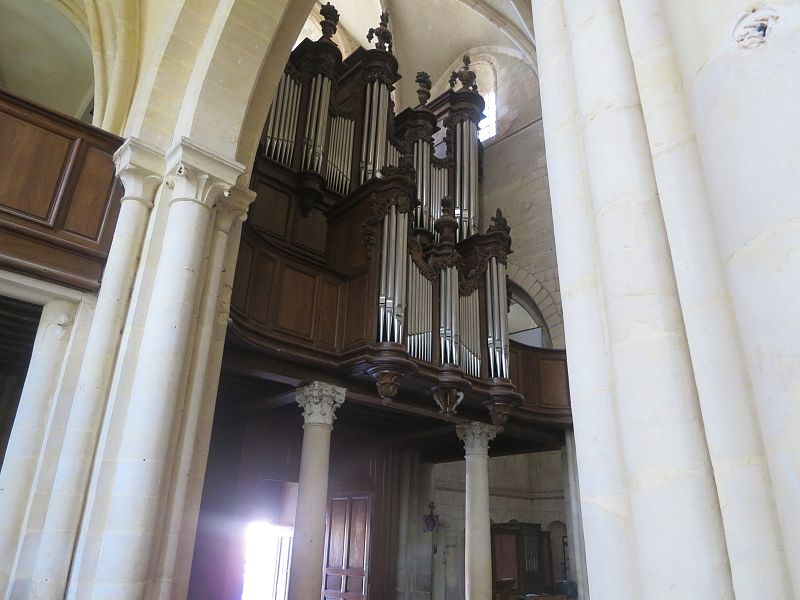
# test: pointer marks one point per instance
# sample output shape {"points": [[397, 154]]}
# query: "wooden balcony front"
{"points": [[59, 197]]}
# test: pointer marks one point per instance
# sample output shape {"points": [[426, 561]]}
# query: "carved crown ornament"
{"points": [[382, 34], [465, 76]]}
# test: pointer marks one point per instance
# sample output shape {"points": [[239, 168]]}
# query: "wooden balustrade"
{"points": [[59, 197], [540, 375]]}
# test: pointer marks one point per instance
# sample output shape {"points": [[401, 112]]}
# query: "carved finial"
{"points": [[424, 90], [464, 75], [330, 19], [446, 225], [382, 33], [499, 223]]}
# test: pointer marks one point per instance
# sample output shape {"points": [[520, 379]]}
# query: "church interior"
{"points": [[399, 299]]}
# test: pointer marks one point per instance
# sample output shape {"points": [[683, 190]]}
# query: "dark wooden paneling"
{"points": [[59, 198], [270, 212], [296, 306], [541, 377], [311, 232]]}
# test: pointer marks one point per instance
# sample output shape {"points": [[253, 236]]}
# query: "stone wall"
{"points": [[515, 180], [528, 488]]}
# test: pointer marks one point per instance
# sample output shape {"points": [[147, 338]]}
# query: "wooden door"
{"points": [[347, 547]]}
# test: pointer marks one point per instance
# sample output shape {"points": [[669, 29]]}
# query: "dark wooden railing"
{"points": [[59, 197], [540, 375]]}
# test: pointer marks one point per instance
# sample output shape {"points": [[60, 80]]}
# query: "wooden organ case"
{"points": [[362, 264], [362, 254]]}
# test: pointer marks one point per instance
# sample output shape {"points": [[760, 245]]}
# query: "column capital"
{"points": [[319, 402], [476, 437], [139, 166], [233, 206], [198, 174]]}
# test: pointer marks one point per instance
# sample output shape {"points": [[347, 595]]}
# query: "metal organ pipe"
{"points": [[448, 327], [282, 121], [497, 318], [340, 152]]}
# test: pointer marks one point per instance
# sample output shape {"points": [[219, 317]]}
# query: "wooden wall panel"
{"points": [[357, 311], [59, 198], [34, 161], [87, 212], [259, 298], [327, 305], [296, 306], [270, 212], [540, 375], [555, 385]]}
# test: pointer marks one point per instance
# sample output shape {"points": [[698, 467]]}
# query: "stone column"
{"points": [[478, 535], [319, 402], [137, 165], [753, 538], [739, 67], [24, 458], [204, 371], [678, 531], [149, 434], [604, 497]]}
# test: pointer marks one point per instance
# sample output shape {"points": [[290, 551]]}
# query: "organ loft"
{"points": [[363, 265]]}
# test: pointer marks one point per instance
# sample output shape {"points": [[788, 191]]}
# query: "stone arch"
{"points": [[486, 53], [546, 301], [558, 530], [216, 70]]}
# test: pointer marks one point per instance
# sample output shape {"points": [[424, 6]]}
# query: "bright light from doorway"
{"points": [[266, 568]]}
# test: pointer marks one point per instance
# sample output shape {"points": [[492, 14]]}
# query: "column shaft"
{"points": [[477, 521], [739, 69], [24, 458], [753, 539], [74, 467], [676, 516], [477, 538], [319, 402], [197, 416], [605, 505], [308, 545]]}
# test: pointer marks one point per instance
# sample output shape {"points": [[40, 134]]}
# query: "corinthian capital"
{"points": [[319, 402], [476, 437]]}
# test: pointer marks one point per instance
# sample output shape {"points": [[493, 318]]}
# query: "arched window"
{"points": [[525, 322], [486, 74]]}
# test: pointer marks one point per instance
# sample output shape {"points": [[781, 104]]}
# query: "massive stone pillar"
{"points": [[150, 428], [319, 402], [605, 505], [738, 67], [678, 532], [753, 538], [478, 536]]}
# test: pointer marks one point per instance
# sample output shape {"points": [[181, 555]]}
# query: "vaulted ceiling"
{"points": [[44, 56], [430, 34]]}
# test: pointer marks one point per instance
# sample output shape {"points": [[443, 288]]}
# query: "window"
{"points": [[486, 75]]}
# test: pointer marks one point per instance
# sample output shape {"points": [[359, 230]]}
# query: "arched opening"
{"points": [[55, 68]]}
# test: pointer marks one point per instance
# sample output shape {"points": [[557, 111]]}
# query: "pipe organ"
{"points": [[378, 230]]}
